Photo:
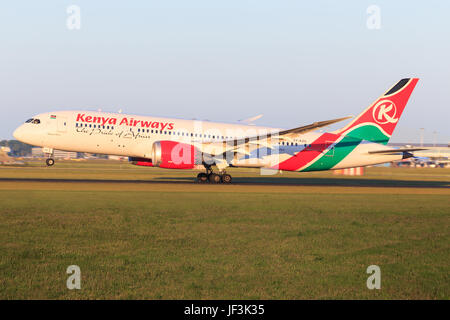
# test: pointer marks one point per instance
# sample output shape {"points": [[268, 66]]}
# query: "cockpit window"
{"points": [[29, 120], [36, 121]]}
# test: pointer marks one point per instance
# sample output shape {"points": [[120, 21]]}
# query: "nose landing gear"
{"points": [[50, 162], [49, 153]]}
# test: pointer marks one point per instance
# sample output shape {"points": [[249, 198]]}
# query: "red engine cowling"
{"points": [[174, 155]]}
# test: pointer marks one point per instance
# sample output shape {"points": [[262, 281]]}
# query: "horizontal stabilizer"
{"points": [[388, 151]]}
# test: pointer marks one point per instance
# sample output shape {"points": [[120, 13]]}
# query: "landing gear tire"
{"points": [[202, 177], [50, 162], [226, 178], [214, 178]]}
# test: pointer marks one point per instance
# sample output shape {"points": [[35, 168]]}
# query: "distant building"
{"points": [[37, 152], [4, 158], [435, 152], [434, 155], [57, 154], [117, 158]]}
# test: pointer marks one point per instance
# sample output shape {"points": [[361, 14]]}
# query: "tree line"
{"points": [[18, 149]]}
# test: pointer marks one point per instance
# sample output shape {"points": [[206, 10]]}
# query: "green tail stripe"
{"points": [[369, 133], [334, 155], [344, 147]]}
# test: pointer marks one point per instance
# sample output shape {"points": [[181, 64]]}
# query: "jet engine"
{"points": [[175, 155]]}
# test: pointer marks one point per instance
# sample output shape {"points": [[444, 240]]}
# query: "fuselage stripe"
{"points": [[309, 154]]}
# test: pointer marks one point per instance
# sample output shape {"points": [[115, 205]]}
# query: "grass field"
{"points": [[312, 236]]}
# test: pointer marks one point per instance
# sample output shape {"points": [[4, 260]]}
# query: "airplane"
{"points": [[214, 146]]}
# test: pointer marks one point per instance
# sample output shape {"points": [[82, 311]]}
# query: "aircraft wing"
{"points": [[238, 145], [279, 134]]}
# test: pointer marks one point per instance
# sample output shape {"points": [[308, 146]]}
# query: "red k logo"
{"points": [[384, 112]]}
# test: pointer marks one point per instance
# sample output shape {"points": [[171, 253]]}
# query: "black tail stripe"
{"points": [[398, 86]]}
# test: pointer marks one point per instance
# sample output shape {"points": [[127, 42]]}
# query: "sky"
{"points": [[296, 62]]}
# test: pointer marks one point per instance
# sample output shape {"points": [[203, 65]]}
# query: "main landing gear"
{"points": [[212, 177]]}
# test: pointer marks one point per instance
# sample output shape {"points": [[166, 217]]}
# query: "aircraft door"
{"points": [[62, 124], [329, 152]]}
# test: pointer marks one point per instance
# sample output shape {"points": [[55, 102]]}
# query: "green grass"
{"points": [[111, 170], [221, 242]]}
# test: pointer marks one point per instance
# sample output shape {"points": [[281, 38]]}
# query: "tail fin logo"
{"points": [[384, 112]]}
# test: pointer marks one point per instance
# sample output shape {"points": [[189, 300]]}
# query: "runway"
{"points": [[251, 181]]}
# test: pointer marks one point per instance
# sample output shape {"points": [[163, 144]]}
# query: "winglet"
{"points": [[249, 121]]}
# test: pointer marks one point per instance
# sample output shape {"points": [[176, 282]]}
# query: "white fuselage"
{"points": [[134, 136]]}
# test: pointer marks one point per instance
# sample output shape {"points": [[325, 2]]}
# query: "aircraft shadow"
{"points": [[350, 182]]}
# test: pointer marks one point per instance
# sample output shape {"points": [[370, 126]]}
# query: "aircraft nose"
{"points": [[18, 133]]}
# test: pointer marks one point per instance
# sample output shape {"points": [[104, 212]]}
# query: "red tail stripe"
{"points": [[308, 154]]}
